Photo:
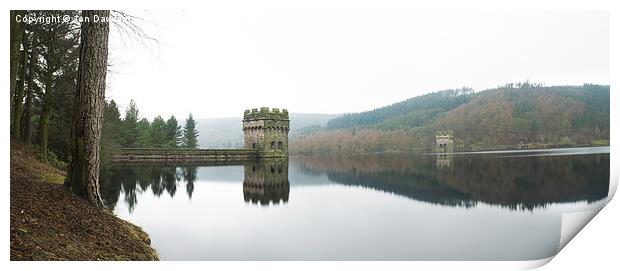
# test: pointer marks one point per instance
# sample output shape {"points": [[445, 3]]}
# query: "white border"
{"points": [[595, 248]]}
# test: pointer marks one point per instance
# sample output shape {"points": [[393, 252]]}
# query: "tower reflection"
{"points": [[444, 160], [265, 181]]}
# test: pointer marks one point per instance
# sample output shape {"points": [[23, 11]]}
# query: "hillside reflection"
{"points": [[516, 182]]}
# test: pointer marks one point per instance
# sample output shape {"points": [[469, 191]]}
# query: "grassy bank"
{"points": [[50, 223]]}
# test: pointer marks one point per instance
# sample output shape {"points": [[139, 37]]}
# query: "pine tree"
{"points": [[58, 56], [83, 175], [111, 124], [158, 133], [173, 132], [130, 132], [190, 134], [17, 33], [144, 134], [110, 136]]}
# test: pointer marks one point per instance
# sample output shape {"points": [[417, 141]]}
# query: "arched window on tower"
{"points": [[273, 145], [279, 145]]}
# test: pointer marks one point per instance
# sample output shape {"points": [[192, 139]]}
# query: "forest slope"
{"points": [[501, 118]]}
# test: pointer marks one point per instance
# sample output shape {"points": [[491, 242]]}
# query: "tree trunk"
{"points": [[27, 117], [83, 175], [16, 39], [44, 130], [19, 96], [44, 118]]}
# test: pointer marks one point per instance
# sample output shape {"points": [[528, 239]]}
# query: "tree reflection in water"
{"points": [[131, 180], [508, 180], [265, 181]]}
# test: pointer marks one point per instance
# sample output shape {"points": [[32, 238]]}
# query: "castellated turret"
{"points": [[444, 141], [266, 131]]}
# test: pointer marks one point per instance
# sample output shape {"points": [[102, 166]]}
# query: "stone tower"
{"points": [[266, 131], [444, 142]]}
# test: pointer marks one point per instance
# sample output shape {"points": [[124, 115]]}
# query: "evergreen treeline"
{"points": [[44, 61], [506, 117], [131, 131]]}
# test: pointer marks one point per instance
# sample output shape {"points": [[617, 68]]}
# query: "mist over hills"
{"points": [[505, 117]]}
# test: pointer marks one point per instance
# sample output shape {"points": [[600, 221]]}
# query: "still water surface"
{"points": [[483, 206]]}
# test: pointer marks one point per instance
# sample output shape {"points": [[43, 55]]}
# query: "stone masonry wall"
{"points": [[266, 131]]}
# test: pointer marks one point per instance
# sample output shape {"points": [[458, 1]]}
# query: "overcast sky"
{"points": [[216, 63]]}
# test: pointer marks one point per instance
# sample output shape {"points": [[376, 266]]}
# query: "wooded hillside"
{"points": [[506, 117]]}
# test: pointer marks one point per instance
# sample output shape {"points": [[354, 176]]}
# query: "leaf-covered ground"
{"points": [[50, 223]]}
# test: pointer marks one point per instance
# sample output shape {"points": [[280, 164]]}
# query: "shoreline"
{"points": [[50, 223], [488, 151]]}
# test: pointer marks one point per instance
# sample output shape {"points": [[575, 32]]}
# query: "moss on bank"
{"points": [[50, 223]]}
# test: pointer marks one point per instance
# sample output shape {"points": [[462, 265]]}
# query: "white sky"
{"points": [[218, 62]]}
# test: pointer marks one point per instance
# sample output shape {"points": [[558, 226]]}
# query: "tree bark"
{"points": [[17, 32], [83, 175], [19, 96], [27, 117]]}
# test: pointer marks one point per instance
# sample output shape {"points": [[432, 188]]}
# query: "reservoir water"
{"points": [[466, 206]]}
